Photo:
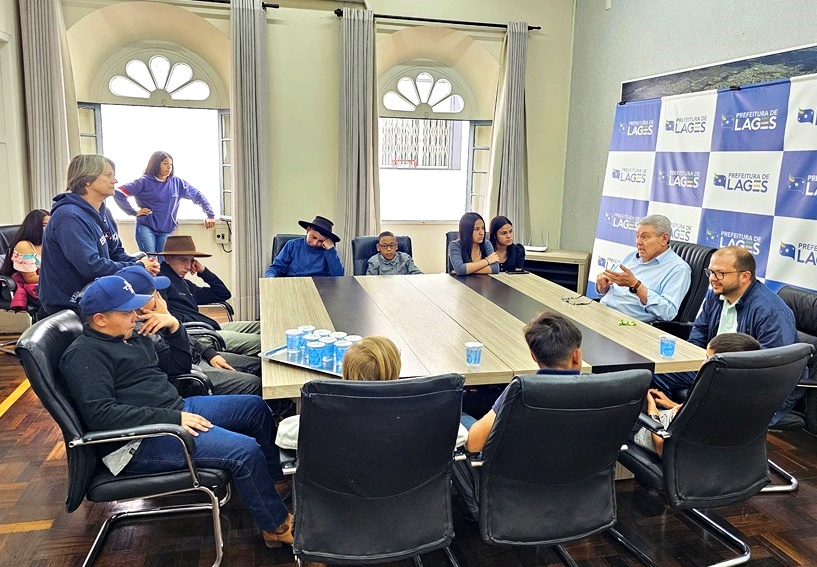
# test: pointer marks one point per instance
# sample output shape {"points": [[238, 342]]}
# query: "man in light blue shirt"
{"points": [[649, 283]]}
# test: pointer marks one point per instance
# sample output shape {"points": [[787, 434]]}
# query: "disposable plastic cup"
{"points": [[666, 346], [473, 353], [294, 338], [314, 353]]}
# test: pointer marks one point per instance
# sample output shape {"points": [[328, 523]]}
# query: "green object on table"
{"points": [[626, 323]]}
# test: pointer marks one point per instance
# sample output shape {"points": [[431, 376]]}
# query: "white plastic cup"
{"points": [[340, 350], [322, 332], [354, 338], [294, 338], [337, 335], [306, 329], [666, 346], [314, 353], [473, 353]]}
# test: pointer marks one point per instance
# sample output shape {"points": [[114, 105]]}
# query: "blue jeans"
{"points": [[241, 441], [148, 240]]}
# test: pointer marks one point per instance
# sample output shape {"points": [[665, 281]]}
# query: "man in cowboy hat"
{"points": [[315, 255], [184, 296]]}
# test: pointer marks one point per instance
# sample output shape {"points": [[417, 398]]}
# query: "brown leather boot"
{"points": [[283, 534]]}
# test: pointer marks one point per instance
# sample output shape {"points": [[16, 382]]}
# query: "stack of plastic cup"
{"points": [[340, 350], [306, 338], [314, 353]]}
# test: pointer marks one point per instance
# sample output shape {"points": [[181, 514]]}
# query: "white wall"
{"points": [[638, 38]]}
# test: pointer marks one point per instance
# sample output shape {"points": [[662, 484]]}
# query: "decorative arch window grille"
{"points": [[142, 79], [412, 94]]}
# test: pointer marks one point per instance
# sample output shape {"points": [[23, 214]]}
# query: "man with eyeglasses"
{"points": [[738, 303], [650, 282]]}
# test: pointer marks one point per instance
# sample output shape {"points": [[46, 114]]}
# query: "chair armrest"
{"points": [[653, 425], [196, 383], [197, 325], [289, 460], [679, 329], [459, 454], [474, 459], [138, 432], [7, 287], [205, 332]]}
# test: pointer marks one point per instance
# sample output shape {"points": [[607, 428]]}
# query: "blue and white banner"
{"points": [[731, 167]]}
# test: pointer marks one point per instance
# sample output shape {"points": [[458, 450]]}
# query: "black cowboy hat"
{"points": [[323, 226]]}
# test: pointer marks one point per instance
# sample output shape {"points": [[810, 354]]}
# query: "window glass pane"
{"points": [[424, 84], [138, 71], [87, 122], [442, 89], [225, 124], [406, 88], [197, 90], [394, 101], [410, 191], [226, 179], [160, 67], [122, 86], [87, 145], [453, 103], [225, 151], [190, 135], [179, 75]]}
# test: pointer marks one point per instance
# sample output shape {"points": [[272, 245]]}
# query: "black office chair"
{"points": [[697, 256], [278, 242], [40, 348], [364, 247], [374, 469], [804, 305], [450, 237], [228, 308], [8, 286], [547, 469], [715, 448]]}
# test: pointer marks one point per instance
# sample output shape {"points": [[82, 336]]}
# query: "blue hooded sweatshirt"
{"points": [[80, 244]]}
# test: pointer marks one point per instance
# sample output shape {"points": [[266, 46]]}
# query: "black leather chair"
{"points": [[374, 469], [278, 242], [450, 237], [697, 256], [547, 469], [715, 448], [364, 247], [8, 286], [804, 305], [40, 348]]}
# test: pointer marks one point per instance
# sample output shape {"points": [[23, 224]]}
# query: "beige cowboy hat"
{"points": [[181, 246]]}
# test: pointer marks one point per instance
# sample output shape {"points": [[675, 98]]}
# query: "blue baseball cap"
{"points": [[142, 280], [111, 293]]}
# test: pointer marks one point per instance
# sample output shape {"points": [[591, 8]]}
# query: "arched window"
{"points": [[142, 78], [422, 93]]}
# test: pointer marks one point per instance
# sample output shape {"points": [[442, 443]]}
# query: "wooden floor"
{"points": [[35, 529]]}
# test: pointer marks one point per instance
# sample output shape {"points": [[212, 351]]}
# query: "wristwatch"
{"points": [[635, 287]]}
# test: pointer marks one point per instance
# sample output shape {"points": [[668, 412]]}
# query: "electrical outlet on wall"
{"points": [[222, 235]]}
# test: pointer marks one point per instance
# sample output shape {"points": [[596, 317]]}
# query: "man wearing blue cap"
{"points": [[229, 373], [118, 379]]}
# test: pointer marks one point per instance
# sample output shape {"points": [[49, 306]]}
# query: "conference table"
{"points": [[430, 317]]}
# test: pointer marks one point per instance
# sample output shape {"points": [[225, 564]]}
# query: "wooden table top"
{"points": [[430, 317]]}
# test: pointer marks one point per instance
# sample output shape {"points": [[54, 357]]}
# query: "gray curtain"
{"points": [[51, 102], [508, 186], [248, 116], [358, 181]]}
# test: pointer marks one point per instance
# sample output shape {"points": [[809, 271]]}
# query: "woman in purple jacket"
{"points": [[158, 193]]}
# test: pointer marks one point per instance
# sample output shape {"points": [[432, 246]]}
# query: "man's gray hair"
{"points": [[661, 223]]}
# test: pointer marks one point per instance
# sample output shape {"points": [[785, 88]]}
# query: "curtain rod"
{"points": [[339, 13], [264, 5]]}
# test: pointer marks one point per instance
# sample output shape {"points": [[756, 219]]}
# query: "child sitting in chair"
{"points": [[388, 261], [726, 342]]}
